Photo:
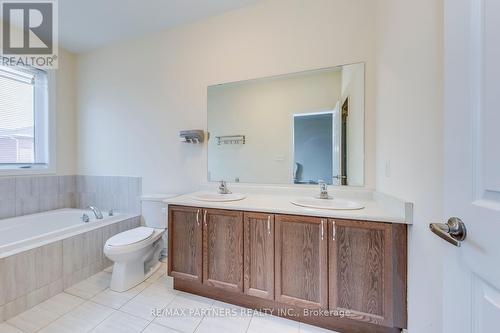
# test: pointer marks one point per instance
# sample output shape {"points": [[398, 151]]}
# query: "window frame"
{"points": [[49, 135]]}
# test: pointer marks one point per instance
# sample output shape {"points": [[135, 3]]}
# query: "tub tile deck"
{"points": [[95, 308]]}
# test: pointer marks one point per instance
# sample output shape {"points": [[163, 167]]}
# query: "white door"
{"points": [[471, 272]]}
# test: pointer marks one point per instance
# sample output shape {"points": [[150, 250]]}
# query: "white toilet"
{"points": [[136, 252]]}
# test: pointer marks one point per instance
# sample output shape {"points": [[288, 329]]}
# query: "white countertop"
{"points": [[378, 207]]}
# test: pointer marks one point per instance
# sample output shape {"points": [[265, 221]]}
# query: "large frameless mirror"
{"points": [[298, 128]]}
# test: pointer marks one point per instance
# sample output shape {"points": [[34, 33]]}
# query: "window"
{"points": [[24, 118]]}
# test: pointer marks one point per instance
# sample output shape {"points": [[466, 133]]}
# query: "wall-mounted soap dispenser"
{"points": [[192, 136]]}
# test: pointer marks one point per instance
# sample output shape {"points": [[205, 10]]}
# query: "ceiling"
{"points": [[85, 25]]}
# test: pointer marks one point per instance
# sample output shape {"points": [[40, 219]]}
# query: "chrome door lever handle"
{"points": [[453, 231]]}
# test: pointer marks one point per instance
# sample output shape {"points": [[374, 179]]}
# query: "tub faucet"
{"points": [[323, 190], [96, 211], [223, 188]]}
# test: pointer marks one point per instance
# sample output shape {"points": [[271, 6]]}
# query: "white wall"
{"points": [[66, 114], [409, 141], [134, 97], [353, 88], [263, 110]]}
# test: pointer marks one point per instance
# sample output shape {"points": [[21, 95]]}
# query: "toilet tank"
{"points": [[154, 210]]}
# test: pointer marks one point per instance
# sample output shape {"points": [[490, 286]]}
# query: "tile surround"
{"points": [[34, 194], [32, 276], [110, 192]]}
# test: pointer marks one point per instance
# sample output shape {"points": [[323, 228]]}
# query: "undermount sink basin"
{"points": [[216, 197], [332, 204]]}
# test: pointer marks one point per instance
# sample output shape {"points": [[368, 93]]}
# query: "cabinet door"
{"points": [[259, 255], [301, 265], [361, 267], [184, 243], [223, 249]]}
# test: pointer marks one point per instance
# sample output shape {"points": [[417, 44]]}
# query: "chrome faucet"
{"points": [[223, 188], [96, 211], [323, 190]]}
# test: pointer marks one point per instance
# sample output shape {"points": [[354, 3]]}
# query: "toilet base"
{"points": [[130, 273], [127, 276]]}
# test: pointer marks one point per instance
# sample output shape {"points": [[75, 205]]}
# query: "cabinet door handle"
{"points": [[334, 232], [322, 229], [198, 217], [269, 225], [205, 218]]}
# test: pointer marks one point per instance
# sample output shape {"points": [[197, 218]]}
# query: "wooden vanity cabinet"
{"points": [[281, 262], [223, 249], [301, 274], [367, 271], [258, 263], [184, 243]]}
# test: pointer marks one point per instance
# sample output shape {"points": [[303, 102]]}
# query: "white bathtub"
{"points": [[22, 233], [43, 254]]}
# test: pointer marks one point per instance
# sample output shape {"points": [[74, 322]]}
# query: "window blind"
{"points": [[17, 116]]}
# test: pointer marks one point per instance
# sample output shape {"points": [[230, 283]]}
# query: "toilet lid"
{"points": [[130, 236]]}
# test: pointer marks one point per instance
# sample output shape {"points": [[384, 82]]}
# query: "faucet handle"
{"points": [[323, 190], [223, 187]]}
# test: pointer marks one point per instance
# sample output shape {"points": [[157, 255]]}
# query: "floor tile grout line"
{"points": [[14, 326], [213, 301], [85, 301], [250, 321], [93, 328], [194, 331], [204, 316], [39, 329], [123, 312], [152, 322], [93, 296], [149, 285], [121, 306], [170, 302], [67, 293]]}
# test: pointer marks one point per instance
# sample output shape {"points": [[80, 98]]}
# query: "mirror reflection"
{"points": [[300, 128]]}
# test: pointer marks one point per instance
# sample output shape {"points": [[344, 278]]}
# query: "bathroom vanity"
{"points": [[341, 270], [289, 249]]}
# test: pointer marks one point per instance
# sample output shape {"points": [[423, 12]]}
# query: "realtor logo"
{"points": [[29, 33]]}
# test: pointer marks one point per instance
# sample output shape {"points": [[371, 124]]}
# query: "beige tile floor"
{"points": [[90, 306]]}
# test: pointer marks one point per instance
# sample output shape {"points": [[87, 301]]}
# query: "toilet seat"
{"points": [[130, 237], [132, 240]]}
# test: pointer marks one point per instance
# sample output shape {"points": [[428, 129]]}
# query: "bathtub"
{"points": [[22, 233], [43, 254]]}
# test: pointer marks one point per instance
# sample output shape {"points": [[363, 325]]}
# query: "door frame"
{"points": [[292, 148]]}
